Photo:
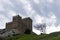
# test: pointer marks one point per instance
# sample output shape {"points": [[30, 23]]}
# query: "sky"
{"points": [[40, 11]]}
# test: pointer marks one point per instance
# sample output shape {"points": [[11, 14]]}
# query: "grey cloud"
{"points": [[42, 9]]}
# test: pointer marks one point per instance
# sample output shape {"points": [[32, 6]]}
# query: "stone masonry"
{"points": [[20, 25]]}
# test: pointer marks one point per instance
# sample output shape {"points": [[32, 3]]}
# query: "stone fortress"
{"points": [[20, 25], [17, 26]]}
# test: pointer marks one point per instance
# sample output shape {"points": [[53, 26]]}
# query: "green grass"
{"points": [[56, 38], [22, 37], [52, 36]]}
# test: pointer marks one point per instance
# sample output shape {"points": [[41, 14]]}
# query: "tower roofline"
{"points": [[17, 16], [27, 18]]}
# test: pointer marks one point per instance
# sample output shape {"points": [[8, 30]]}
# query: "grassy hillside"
{"points": [[52, 36]]}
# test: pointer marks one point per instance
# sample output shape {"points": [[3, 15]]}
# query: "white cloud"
{"points": [[50, 21], [30, 10], [28, 7], [36, 31], [7, 1], [38, 19], [50, 1], [11, 13], [23, 1], [22, 15], [37, 1], [3, 20], [52, 18], [52, 28], [1, 7]]}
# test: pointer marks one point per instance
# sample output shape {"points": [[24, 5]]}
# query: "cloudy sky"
{"points": [[40, 11]]}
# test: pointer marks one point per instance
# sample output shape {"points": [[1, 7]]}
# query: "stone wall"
{"points": [[20, 24]]}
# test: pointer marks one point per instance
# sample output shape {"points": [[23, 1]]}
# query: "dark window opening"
{"points": [[27, 31]]}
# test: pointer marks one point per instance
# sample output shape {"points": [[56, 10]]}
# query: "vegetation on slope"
{"points": [[52, 36]]}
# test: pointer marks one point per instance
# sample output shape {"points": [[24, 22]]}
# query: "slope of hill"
{"points": [[52, 36]]}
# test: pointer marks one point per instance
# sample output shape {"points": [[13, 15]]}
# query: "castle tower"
{"points": [[16, 18], [28, 23], [22, 25]]}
